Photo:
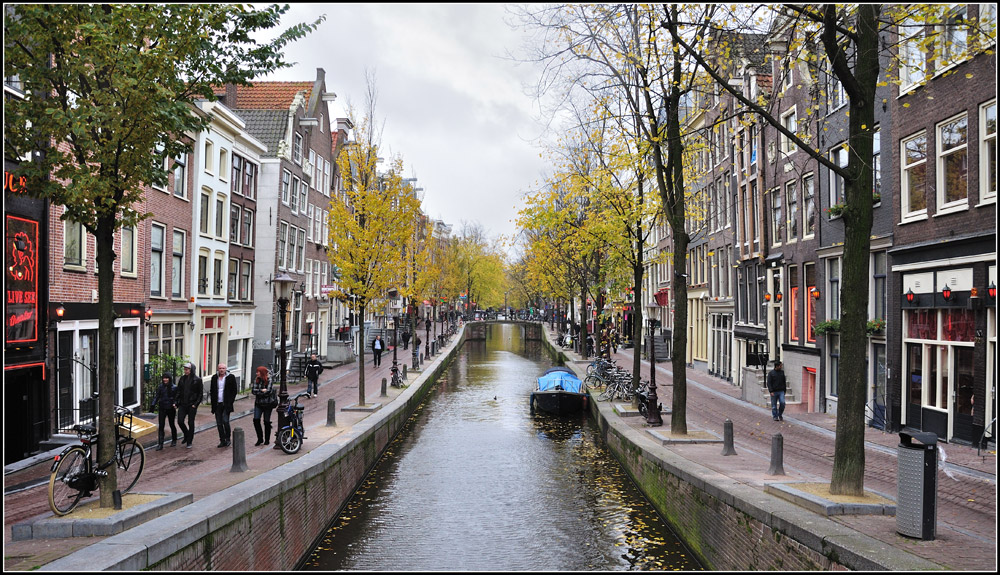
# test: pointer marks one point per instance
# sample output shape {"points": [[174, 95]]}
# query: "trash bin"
{"points": [[916, 500]]}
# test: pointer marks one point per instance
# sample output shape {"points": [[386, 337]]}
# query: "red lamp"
{"points": [[60, 311], [777, 296], [814, 293], [946, 292], [992, 290], [767, 297], [910, 296]]}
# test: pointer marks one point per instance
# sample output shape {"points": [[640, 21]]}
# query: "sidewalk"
{"points": [[966, 504], [204, 469]]}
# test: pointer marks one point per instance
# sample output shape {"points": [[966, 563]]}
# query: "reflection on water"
{"points": [[475, 482]]}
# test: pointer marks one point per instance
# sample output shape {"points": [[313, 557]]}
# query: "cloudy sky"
{"points": [[453, 103]]}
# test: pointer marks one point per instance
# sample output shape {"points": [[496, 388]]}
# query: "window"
{"points": [[316, 278], [326, 178], [223, 164], [939, 358], [808, 207], [876, 166], [128, 251], [878, 285], [159, 152], [810, 318], [833, 339], [791, 198], [839, 157], [166, 338], [953, 163], [988, 151], [236, 179], [204, 214], [157, 233], [301, 253], [282, 242], [286, 184], [793, 304], [835, 94], [249, 179], [295, 195], [177, 266], [234, 223], [777, 223], [311, 166], [74, 244], [234, 271], [209, 157], [220, 218], [202, 274], [247, 238], [755, 221], [833, 280], [788, 122], [245, 281], [310, 211], [180, 176], [297, 149], [293, 244], [912, 67], [303, 197], [325, 229], [952, 38], [217, 276], [914, 179], [309, 278]]}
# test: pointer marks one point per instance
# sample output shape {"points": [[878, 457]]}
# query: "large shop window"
{"points": [[939, 358]]}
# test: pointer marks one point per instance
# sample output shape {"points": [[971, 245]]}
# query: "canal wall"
{"points": [[268, 522], [727, 524]]}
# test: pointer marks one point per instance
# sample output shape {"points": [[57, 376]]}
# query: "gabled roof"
{"points": [[268, 126], [269, 95]]}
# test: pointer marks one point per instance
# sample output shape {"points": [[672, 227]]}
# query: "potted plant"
{"points": [[875, 326], [836, 210], [824, 327]]}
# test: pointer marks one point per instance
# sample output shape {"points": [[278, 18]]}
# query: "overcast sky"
{"points": [[452, 102]]}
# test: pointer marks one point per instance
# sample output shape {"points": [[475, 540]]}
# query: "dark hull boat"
{"points": [[559, 392]]}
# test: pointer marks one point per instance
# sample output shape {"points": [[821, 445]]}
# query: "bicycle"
{"points": [[397, 377], [290, 437], [74, 475]]}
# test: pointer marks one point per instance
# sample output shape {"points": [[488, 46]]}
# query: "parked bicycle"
{"points": [[75, 473], [290, 436], [397, 376]]}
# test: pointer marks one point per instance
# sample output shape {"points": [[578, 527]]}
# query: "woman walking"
{"points": [[165, 402], [265, 400]]}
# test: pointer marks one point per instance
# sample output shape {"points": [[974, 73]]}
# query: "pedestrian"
{"points": [[776, 387], [265, 400], [406, 340], [377, 348], [164, 402], [313, 370], [223, 395], [190, 390]]}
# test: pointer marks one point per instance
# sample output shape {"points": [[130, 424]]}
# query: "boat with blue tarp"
{"points": [[559, 391]]}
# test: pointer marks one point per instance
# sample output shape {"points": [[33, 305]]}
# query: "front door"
{"points": [[961, 394]]}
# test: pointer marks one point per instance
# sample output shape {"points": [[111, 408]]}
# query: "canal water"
{"points": [[475, 482]]}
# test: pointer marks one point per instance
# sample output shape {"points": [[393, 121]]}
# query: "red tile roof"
{"points": [[269, 95]]}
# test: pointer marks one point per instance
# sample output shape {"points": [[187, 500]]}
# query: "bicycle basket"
{"points": [[123, 423]]}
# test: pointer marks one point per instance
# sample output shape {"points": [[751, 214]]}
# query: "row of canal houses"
{"points": [[250, 201], [764, 262]]}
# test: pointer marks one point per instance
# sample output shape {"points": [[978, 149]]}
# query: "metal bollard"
{"points": [[239, 451], [383, 387], [116, 498], [404, 372], [331, 412], [727, 438], [777, 454]]}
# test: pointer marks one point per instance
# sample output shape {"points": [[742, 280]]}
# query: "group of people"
{"points": [[181, 401]]}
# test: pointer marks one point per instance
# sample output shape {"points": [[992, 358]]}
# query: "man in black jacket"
{"points": [[222, 402], [313, 369], [776, 387], [190, 390]]}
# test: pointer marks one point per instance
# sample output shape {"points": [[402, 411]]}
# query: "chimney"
{"points": [[230, 98]]}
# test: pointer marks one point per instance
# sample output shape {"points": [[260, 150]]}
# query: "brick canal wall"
{"points": [[731, 526], [268, 522]]}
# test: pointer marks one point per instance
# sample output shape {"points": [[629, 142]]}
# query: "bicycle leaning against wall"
{"points": [[75, 473]]}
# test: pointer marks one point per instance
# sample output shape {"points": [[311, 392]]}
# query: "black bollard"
{"points": [[777, 455], [727, 438], [404, 372], [239, 451], [383, 388], [116, 498], [331, 412]]}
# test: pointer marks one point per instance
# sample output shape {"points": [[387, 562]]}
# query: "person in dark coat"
{"points": [[223, 396], [262, 405], [164, 402], [378, 346], [406, 340], [776, 387], [313, 370], [190, 390]]}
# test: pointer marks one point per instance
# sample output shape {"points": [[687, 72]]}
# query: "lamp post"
{"points": [[653, 417], [283, 291], [427, 337]]}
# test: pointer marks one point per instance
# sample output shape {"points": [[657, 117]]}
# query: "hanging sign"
{"points": [[21, 269]]}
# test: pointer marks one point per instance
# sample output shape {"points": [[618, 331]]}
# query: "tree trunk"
{"points": [[849, 447], [105, 236], [361, 355]]}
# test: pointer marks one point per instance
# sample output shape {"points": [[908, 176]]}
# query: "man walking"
{"points": [[776, 387], [313, 369], [377, 348], [406, 340], [189, 395], [223, 395]]}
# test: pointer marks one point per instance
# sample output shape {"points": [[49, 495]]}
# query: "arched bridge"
{"points": [[476, 330]]}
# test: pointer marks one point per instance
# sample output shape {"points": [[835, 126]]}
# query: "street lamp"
{"points": [[653, 417], [283, 291]]}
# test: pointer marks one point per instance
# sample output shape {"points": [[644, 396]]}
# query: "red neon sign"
{"points": [[14, 184], [21, 263]]}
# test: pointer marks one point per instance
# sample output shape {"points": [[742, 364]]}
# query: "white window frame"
{"points": [[804, 232], [908, 214], [177, 267], [209, 157], [912, 60], [69, 226], [131, 252], [224, 173], [789, 117], [297, 148], [943, 206], [158, 289], [839, 156], [987, 140], [947, 58], [286, 185]]}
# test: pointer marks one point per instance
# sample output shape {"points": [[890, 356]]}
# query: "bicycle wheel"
{"points": [[62, 496], [606, 395], [131, 458], [289, 441]]}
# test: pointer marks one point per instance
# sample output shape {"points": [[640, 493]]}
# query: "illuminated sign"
{"points": [[14, 184], [21, 263]]}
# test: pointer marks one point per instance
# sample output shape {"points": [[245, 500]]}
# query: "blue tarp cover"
{"points": [[565, 379]]}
